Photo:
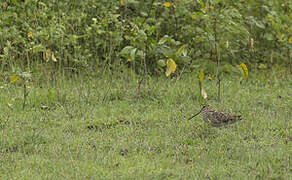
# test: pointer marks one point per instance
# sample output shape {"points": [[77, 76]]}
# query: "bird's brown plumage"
{"points": [[217, 118]]}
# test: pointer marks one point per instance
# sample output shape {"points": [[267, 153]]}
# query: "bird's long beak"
{"points": [[195, 114]]}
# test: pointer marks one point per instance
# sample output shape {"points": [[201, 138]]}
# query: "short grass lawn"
{"points": [[105, 127]]}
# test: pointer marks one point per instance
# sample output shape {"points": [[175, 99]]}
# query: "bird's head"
{"points": [[205, 107]]}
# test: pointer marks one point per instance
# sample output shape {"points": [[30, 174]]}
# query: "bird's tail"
{"points": [[237, 117]]}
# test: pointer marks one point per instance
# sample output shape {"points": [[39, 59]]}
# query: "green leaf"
{"points": [[164, 39], [260, 24], [38, 48], [126, 51], [263, 66], [161, 62], [26, 75], [140, 54], [269, 36]]}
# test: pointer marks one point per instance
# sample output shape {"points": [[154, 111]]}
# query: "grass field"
{"points": [[101, 127]]}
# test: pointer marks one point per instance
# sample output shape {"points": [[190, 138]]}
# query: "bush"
{"points": [[144, 34]]}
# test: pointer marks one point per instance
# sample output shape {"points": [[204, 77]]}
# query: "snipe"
{"points": [[217, 118]]}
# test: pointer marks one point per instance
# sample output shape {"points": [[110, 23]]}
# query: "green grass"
{"points": [[100, 127]]}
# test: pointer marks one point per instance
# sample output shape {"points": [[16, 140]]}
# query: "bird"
{"points": [[216, 118]]}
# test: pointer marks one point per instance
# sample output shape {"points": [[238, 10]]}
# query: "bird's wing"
{"points": [[221, 117]]}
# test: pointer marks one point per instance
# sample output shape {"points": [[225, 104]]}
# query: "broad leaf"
{"points": [[13, 78], [290, 40], [122, 2], [181, 50], [170, 67], [167, 4], [203, 93], [161, 63], [54, 58], [201, 76], [245, 70]]}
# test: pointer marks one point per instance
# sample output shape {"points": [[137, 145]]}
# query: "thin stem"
{"points": [[217, 57], [25, 94]]}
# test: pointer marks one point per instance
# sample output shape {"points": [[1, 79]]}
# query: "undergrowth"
{"points": [[102, 127]]}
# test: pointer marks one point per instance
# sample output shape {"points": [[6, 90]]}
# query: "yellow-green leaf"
{"points": [[167, 4], [9, 105], [245, 70], [29, 34], [290, 40], [13, 78], [180, 50], [170, 67], [227, 44], [263, 66], [54, 58], [122, 2], [46, 54], [203, 93], [104, 20], [201, 76], [209, 6], [194, 17], [211, 77]]}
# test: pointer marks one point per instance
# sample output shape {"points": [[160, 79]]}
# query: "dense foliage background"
{"points": [[142, 34], [84, 96]]}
